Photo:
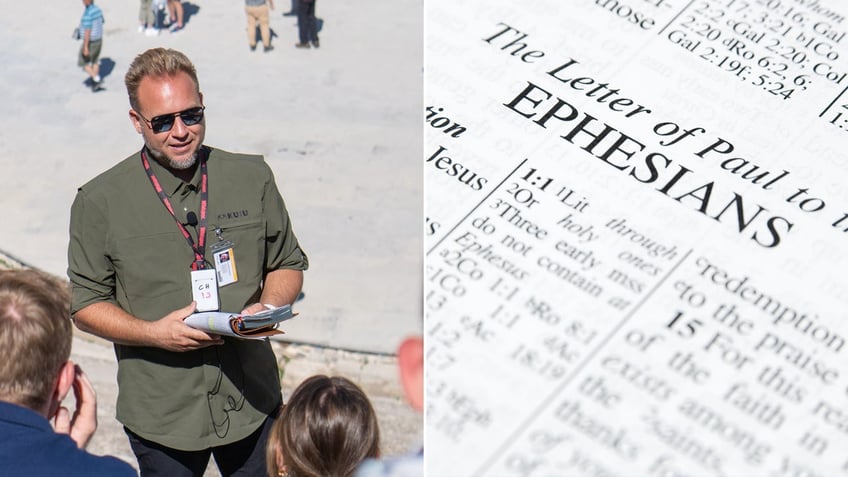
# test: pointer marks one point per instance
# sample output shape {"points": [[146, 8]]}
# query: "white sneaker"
{"points": [[141, 28], [151, 32]]}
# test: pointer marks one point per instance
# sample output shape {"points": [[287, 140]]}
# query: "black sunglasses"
{"points": [[164, 122]]}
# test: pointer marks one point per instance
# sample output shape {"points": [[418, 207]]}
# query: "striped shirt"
{"points": [[92, 19]]}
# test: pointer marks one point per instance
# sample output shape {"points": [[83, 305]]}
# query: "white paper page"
{"points": [[212, 322], [636, 237]]}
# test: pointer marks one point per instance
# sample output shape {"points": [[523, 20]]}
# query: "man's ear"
{"points": [[64, 383], [136, 120], [411, 363]]}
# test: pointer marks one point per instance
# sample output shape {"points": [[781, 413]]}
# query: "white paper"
{"points": [[636, 236], [204, 289]]}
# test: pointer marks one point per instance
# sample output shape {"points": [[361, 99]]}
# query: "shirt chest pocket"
{"points": [[248, 246]]}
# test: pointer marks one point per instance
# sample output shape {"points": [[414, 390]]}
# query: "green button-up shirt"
{"points": [[126, 249]]}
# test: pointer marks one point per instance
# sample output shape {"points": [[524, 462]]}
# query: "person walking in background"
{"points": [[91, 31], [307, 26], [147, 18], [148, 232], [175, 15], [35, 376], [326, 429], [258, 12]]}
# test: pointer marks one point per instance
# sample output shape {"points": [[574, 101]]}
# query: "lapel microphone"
{"points": [[191, 219]]}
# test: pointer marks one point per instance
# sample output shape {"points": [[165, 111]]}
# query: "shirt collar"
{"points": [[23, 416], [170, 183]]}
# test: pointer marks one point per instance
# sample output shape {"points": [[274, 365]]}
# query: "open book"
{"points": [[637, 237], [259, 325]]}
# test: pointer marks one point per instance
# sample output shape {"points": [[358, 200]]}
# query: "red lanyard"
{"points": [[199, 262]]}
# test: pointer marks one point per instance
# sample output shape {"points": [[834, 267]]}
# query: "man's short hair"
{"points": [[35, 335], [157, 62]]}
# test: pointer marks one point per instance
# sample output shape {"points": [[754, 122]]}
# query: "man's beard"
{"points": [[173, 164], [184, 164]]}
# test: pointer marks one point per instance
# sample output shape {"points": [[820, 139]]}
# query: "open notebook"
{"points": [[259, 325]]}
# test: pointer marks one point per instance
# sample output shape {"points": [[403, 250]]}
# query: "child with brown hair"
{"points": [[326, 429]]}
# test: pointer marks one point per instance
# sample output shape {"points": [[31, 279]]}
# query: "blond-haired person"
{"points": [[35, 376]]}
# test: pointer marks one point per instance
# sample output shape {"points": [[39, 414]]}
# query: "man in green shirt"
{"points": [[146, 238]]}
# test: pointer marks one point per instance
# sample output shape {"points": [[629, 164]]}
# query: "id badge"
{"points": [[204, 289], [223, 253]]}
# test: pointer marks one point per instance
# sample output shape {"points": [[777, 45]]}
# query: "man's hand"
{"points": [[82, 425], [172, 334], [111, 322], [254, 309]]}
